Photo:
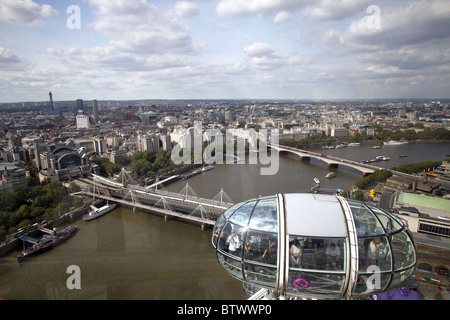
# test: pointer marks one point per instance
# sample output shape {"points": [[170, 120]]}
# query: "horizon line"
{"points": [[235, 99]]}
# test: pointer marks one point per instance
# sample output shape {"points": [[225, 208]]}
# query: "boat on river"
{"points": [[394, 143], [198, 171], [49, 240], [98, 212], [330, 175], [207, 168], [376, 159]]}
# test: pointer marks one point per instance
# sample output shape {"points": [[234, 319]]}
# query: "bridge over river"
{"points": [[186, 205], [335, 162], [331, 161]]}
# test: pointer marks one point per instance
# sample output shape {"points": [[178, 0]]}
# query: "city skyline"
{"points": [[224, 49]]}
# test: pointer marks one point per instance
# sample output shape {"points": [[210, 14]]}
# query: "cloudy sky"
{"points": [[224, 49]]}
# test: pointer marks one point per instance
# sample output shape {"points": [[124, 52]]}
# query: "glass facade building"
{"points": [[314, 245]]}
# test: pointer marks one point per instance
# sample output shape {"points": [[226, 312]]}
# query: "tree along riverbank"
{"points": [[24, 206], [427, 135]]}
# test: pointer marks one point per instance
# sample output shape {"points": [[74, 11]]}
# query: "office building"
{"points": [[148, 143], [95, 110], [100, 146], [82, 121], [12, 177], [79, 105]]}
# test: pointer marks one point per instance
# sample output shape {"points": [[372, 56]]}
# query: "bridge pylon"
{"points": [[95, 187], [187, 190], [133, 198], [200, 210], [221, 196], [126, 178], [163, 203]]}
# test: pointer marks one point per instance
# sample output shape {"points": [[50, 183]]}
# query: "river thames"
{"points": [[126, 255]]}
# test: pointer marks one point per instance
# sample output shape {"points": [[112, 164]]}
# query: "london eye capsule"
{"points": [[314, 245]]}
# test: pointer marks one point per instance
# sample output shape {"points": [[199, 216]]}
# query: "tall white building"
{"points": [[166, 142], [100, 146], [338, 132], [148, 142], [82, 121]]}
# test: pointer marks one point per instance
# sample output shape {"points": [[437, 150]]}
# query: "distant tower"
{"points": [[95, 107], [79, 106], [51, 101]]}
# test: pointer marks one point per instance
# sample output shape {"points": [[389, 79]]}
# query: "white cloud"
{"points": [[109, 59], [9, 60], [414, 23], [137, 26], [25, 12], [259, 49], [336, 9], [410, 58], [281, 17], [406, 56], [147, 44], [186, 9], [263, 56], [236, 8], [383, 70], [324, 10], [324, 49]]}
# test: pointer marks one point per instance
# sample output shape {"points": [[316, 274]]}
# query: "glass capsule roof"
{"points": [[313, 245]]}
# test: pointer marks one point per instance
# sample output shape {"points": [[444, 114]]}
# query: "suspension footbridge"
{"points": [[186, 204]]}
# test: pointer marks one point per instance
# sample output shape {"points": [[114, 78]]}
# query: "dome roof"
{"points": [[314, 245]]}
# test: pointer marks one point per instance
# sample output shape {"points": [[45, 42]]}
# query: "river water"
{"points": [[126, 255]]}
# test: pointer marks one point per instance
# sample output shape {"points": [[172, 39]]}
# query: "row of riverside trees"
{"points": [[417, 167], [143, 163], [49, 199], [383, 174], [381, 135], [377, 176]]}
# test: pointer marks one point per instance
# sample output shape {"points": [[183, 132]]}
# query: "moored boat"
{"points": [[394, 143], [48, 241], [207, 168], [98, 212], [193, 173]]}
